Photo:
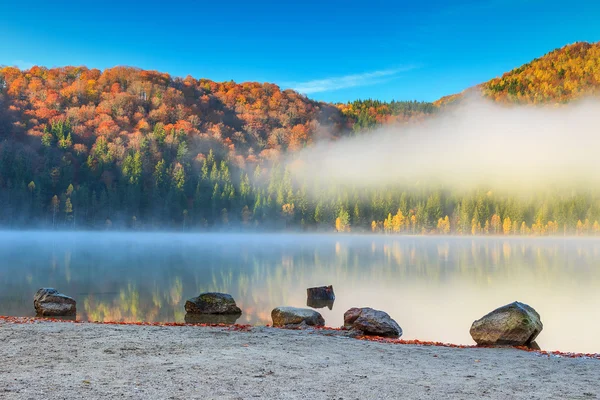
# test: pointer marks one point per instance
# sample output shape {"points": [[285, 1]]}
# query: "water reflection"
{"points": [[433, 287], [320, 303]]}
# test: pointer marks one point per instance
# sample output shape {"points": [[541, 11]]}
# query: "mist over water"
{"points": [[475, 143], [433, 286]]}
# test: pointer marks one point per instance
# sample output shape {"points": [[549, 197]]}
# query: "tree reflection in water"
{"points": [[433, 286]]}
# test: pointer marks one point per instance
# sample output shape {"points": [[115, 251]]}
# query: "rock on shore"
{"points": [[48, 302], [371, 322], [515, 324], [292, 317], [212, 303]]}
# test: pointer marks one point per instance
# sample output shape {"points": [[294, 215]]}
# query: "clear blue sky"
{"points": [[330, 50]]}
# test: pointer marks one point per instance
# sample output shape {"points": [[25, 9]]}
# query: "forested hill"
{"points": [[134, 143], [126, 148], [72, 108], [562, 75], [249, 119]]}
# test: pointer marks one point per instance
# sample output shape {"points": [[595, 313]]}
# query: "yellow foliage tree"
{"points": [[579, 228], [443, 225], [506, 226], [496, 224], [475, 227], [342, 222], [397, 221], [596, 228]]}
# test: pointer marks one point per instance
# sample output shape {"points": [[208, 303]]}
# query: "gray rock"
{"points": [[48, 302], [212, 303], [371, 322], [515, 324], [292, 317], [320, 293]]}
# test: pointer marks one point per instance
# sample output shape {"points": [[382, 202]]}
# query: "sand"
{"points": [[51, 360]]}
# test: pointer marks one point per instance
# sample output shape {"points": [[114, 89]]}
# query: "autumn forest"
{"points": [[126, 148]]}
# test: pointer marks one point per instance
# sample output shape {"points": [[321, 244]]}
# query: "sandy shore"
{"points": [[50, 360]]}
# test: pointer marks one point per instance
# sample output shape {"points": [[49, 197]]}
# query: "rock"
{"points": [[515, 324], [320, 293], [371, 322], [534, 346], [292, 317], [48, 302], [212, 303], [210, 319], [320, 303]]}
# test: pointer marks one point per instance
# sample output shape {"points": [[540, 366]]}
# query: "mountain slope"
{"points": [[86, 148], [562, 75], [88, 145], [130, 103]]}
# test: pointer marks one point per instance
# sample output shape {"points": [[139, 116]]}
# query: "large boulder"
{"points": [[320, 293], [515, 324], [292, 317], [212, 303], [48, 302], [371, 322]]}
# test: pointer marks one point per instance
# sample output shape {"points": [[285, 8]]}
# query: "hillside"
{"points": [[140, 143], [128, 148], [562, 75], [250, 119], [130, 104]]}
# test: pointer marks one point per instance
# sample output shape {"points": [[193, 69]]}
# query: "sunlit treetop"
{"points": [[562, 75]]}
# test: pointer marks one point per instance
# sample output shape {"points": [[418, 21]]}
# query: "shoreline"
{"points": [[299, 233], [324, 330], [47, 359]]}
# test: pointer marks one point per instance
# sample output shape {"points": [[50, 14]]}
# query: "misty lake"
{"points": [[433, 286]]}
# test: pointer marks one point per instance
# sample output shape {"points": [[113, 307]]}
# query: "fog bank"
{"points": [[473, 144]]}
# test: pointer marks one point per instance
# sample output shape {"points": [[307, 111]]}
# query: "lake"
{"points": [[434, 287]]}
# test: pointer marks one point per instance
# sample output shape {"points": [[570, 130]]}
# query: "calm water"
{"points": [[434, 287]]}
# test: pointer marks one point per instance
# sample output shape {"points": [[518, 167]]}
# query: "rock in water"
{"points": [[371, 322], [292, 317], [320, 303], [515, 324], [320, 293], [48, 302], [212, 303]]}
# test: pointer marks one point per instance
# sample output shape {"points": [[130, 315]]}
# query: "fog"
{"points": [[472, 144]]}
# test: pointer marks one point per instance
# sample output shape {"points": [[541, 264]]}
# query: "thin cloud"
{"points": [[347, 81]]}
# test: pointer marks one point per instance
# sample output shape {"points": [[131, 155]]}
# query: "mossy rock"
{"points": [[368, 321], [212, 303], [48, 302], [515, 324], [292, 317]]}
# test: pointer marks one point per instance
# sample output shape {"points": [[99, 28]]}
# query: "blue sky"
{"points": [[329, 50]]}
